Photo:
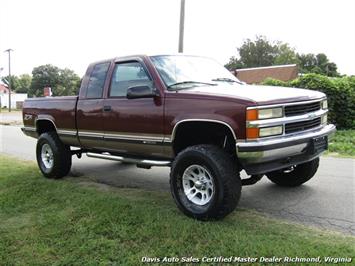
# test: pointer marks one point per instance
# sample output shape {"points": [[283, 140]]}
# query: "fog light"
{"points": [[324, 119], [270, 131], [324, 104]]}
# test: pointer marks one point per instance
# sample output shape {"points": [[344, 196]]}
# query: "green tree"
{"points": [[43, 76], [320, 64], [254, 54], [14, 81], [285, 55], [261, 52], [234, 63], [69, 81], [307, 62], [62, 81], [24, 83]]}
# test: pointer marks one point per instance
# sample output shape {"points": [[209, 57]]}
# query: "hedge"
{"points": [[340, 93]]}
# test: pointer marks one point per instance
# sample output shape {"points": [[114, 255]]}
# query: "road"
{"points": [[327, 201]]}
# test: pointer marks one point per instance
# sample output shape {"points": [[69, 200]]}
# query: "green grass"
{"points": [[6, 110], [78, 222], [343, 143]]}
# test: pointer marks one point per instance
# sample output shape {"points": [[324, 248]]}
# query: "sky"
{"points": [[74, 33]]}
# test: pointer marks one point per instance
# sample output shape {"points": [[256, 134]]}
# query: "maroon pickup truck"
{"points": [[189, 113]]}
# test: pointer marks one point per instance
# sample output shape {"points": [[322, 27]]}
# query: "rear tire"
{"points": [[299, 175], [205, 183], [53, 157]]}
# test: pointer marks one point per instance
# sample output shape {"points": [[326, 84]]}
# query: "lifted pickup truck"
{"points": [[189, 113]]}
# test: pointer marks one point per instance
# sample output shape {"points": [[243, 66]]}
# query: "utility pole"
{"points": [[9, 52], [1, 69], [182, 21]]}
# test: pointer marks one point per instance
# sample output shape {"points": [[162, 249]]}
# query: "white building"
{"points": [[15, 97]]}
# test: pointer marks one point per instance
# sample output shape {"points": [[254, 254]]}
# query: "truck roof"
{"points": [[141, 56]]}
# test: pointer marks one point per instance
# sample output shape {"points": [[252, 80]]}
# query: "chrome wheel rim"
{"points": [[198, 184], [47, 156]]}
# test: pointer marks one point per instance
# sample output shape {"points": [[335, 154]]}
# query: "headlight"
{"points": [[270, 113], [324, 104], [270, 131], [254, 114]]}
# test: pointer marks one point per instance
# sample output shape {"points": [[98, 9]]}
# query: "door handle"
{"points": [[107, 108]]}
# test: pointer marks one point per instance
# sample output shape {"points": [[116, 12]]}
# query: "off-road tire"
{"points": [[298, 176], [226, 179], [62, 158]]}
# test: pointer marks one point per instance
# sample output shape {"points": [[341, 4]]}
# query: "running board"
{"points": [[128, 160]]}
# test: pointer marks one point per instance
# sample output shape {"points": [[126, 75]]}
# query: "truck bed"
{"points": [[60, 111]]}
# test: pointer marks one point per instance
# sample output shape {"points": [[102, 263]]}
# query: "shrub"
{"points": [[340, 93], [275, 82]]}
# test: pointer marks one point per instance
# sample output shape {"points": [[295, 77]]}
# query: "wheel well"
{"points": [[43, 126], [196, 132]]}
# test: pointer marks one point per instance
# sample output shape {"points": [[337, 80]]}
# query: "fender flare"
{"points": [[173, 134]]}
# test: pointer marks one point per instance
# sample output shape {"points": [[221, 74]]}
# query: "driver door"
{"points": [[132, 126]]}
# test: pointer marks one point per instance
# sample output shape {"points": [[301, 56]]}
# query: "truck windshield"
{"points": [[183, 72]]}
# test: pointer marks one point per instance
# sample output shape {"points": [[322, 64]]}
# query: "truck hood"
{"points": [[257, 93]]}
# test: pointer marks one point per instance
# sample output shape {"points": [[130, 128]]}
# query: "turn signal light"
{"points": [[252, 133], [252, 114]]}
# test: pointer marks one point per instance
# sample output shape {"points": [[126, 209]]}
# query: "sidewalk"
{"points": [[13, 118]]}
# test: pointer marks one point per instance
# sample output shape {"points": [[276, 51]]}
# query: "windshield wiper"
{"points": [[190, 82], [227, 80]]}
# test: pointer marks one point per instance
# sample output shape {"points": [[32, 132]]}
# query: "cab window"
{"points": [[97, 80], [126, 75]]}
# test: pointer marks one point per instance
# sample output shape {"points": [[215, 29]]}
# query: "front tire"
{"points": [[298, 175], [205, 183], [53, 157]]}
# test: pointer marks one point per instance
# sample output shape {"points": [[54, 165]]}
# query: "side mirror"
{"points": [[141, 92]]}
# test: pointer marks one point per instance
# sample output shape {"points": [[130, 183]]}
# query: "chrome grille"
{"points": [[301, 126], [301, 109]]}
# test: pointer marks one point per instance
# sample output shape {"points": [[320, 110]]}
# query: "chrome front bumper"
{"points": [[268, 155]]}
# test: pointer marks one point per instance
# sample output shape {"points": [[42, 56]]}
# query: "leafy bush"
{"points": [[276, 82], [340, 93]]}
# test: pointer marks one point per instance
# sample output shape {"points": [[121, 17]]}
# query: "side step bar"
{"points": [[139, 162]]}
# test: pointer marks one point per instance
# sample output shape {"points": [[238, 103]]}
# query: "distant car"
{"points": [[189, 113]]}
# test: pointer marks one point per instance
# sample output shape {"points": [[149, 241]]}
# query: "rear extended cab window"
{"points": [[97, 80]]}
